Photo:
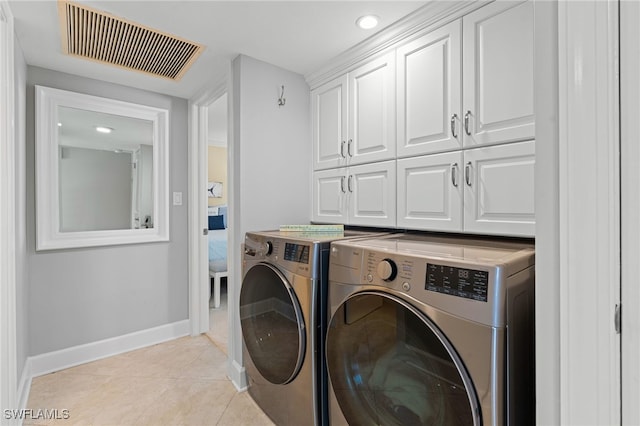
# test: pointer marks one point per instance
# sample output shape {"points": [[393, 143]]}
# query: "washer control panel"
{"points": [[293, 255], [297, 252]]}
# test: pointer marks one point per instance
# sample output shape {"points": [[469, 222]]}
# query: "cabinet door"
{"points": [[372, 102], [498, 73], [429, 93], [372, 194], [329, 118], [430, 192], [499, 189], [330, 196]]}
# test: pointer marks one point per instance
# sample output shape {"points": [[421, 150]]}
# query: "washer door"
{"points": [[390, 365], [272, 324]]}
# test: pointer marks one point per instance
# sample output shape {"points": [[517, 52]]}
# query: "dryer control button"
{"points": [[387, 270], [369, 277], [406, 286]]}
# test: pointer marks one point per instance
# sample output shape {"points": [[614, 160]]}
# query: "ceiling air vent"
{"points": [[92, 34]]}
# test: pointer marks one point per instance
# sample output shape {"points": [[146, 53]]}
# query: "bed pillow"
{"points": [[222, 211], [216, 222]]}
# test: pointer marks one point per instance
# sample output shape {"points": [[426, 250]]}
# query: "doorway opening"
{"points": [[217, 214]]}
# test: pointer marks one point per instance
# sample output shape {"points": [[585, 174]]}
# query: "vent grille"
{"points": [[92, 34]]}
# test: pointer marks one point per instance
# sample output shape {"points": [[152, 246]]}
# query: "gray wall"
{"points": [[271, 152], [80, 296], [95, 189], [275, 146]]}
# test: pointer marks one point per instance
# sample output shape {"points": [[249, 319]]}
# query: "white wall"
{"points": [[271, 157], [85, 295], [22, 270], [547, 215]]}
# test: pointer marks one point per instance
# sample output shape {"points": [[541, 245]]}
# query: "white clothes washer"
{"points": [[431, 330], [283, 309]]}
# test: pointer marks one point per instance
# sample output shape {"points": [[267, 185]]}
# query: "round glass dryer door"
{"points": [[390, 365], [272, 324]]}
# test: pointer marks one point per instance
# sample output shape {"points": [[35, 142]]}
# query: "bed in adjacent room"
{"points": [[217, 249]]}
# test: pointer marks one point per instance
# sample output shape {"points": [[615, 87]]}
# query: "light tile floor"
{"points": [[218, 320], [181, 382]]}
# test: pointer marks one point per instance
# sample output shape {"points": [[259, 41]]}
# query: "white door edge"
{"points": [[589, 212], [630, 208], [199, 283], [8, 327]]}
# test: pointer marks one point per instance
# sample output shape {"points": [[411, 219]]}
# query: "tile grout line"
{"points": [[226, 408]]}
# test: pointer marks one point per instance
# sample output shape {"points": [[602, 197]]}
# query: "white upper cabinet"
{"points": [[498, 74], [499, 189], [372, 104], [429, 92], [354, 116], [436, 133], [430, 192], [329, 116]]}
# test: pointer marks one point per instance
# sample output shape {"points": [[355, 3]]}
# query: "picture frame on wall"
{"points": [[214, 189]]}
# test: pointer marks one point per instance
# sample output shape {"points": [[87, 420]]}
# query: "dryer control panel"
{"points": [[468, 283], [383, 269], [468, 278]]}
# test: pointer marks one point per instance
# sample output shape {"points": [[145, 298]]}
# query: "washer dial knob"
{"points": [[387, 270], [268, 248]]}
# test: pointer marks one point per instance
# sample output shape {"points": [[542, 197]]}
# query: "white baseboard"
{"points": [[24, 385], [237, 375], [70, 357]]}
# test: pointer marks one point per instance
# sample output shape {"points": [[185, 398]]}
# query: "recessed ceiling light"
{"points": [[367, 22], [59, 124], [103, 129]]}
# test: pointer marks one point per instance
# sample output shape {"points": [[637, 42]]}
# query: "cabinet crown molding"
{"points": [[427, 18]]}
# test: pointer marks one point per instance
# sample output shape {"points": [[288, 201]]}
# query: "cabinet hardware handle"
{"points": [[467, 173], [454, 117], [454, 174], [466, 123], [342, 149], [349, 183], [342, 184], [349, 148]]}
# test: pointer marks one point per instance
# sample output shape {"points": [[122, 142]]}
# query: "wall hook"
{"points": [[281, 99]]}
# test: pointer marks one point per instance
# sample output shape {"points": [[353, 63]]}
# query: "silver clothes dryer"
{"points": [[283, 319], [431, 330]]}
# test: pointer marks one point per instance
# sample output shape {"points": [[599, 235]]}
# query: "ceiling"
{"points": [[299, 36], [77, 128]]}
